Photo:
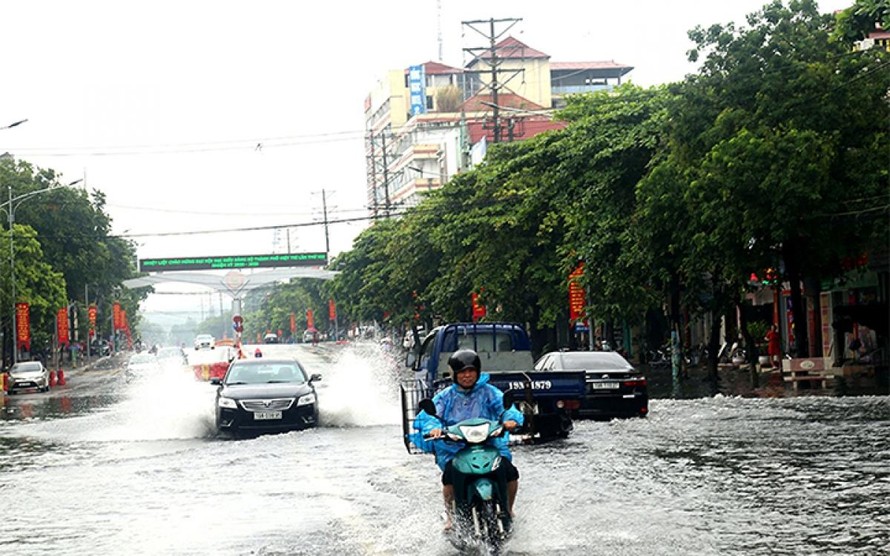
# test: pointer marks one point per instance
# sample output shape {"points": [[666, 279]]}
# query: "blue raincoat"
{"points": [[454, 404]]}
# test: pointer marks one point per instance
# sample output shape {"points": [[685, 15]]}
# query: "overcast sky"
{"points": [[213, 115]]}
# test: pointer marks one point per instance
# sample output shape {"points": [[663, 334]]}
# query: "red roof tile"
{"points": [[477, 103], [437, 68]]}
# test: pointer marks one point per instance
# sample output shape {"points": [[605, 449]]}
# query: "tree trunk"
{"points": [[798, 311], [750, 344]]}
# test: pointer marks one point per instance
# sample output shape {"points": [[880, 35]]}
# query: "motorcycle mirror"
{"points": [[428, 406], [508, 399]]}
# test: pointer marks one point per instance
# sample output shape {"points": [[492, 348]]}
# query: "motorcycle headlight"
{"points": [[306, 399], [475, 434], [227, 402]]}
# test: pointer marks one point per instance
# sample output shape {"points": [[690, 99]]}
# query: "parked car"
{"points": [[203, 341], [100, 348], [311, 335], [614, 388], [28, 374], [265, 395], [141, 365], [270, 339]]}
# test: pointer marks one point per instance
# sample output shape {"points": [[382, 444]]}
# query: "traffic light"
{"points": [[770, 277]]}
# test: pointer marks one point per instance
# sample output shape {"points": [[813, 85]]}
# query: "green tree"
{"points": [[773, 134]]}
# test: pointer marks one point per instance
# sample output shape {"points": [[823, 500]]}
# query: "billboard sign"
{"points": [[231, 262], [417, 90]]}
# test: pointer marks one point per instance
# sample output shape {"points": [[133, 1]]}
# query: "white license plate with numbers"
{"points": [[266, 415]]}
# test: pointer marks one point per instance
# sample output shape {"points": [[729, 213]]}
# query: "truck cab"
{"points": [[506, 354], [501, 347]]}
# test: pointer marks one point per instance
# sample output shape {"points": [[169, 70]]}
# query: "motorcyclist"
{"points": [[471, 396]]}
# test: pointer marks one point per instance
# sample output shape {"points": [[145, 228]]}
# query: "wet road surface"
{"points": [[105, 467]]}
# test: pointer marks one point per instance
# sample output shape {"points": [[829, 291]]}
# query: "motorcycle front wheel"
{"points": [[493, 525]]}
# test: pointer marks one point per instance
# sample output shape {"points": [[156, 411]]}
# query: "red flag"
{"points": [[23, 325], [62, 326], [577, 298], [478, 307]]}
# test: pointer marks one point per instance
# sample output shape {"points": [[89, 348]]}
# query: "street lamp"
{"points": [[10, 206]]}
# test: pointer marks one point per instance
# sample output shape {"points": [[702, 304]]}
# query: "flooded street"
{"points": [[105, 467]]}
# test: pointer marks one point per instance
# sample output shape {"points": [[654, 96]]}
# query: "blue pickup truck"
{"points": [[546, 398]]}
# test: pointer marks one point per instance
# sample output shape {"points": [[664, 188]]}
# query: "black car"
{"points": [[614, 388], [265, 395]]}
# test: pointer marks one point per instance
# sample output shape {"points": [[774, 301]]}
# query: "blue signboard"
{"points": [[417, 89]]}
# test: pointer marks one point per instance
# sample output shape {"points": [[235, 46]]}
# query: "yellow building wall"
{"points": [[533, 83]]}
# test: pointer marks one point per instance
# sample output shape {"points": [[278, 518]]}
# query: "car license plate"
{"points": [[604, 385], [266, 415]]}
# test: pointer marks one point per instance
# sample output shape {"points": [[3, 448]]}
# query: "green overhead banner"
{"points": [[231, 262]]}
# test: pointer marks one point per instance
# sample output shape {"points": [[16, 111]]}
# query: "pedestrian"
{"points": [[774, 346]]}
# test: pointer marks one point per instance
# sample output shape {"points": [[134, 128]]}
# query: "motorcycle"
{"points": [[481, 520]]}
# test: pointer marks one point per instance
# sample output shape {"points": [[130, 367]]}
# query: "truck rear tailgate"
{"points": [[549, 384]]}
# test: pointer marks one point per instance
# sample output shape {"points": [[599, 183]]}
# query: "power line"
{"points": [[255, 228]]}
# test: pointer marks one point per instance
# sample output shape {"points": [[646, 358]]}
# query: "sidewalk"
{"points": [[739, 381]]}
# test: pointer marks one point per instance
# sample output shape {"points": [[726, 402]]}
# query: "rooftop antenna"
{"points": [[439, 26]]}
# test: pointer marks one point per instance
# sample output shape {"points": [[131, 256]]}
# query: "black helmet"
{"points": [[463, 358]]}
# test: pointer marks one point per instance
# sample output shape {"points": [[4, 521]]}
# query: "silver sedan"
{"points": [[28, 374]]}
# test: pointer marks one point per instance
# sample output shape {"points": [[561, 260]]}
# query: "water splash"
{"points": [[359, 388]]}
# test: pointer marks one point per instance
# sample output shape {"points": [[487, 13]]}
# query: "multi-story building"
{"points": [[426, 123]]}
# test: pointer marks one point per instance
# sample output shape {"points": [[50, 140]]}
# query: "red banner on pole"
{"points": [[62, 326], [116, 317], [23, 326], [478, 308], [310, 320], [293, 324], [92, 314], [332, 310], [577, 298]]}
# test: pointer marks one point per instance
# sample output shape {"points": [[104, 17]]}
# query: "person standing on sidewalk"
{"points": [[774, 347]]}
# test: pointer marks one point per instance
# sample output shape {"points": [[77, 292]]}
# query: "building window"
{"points": [[429, 102]]}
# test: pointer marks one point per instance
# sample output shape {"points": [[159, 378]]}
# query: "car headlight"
{"points": [[306, 399], [227, 402]]}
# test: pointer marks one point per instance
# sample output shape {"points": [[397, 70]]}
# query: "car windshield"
{"points": [[594, 361], [27, 366], [204, 338], [265, 373]]}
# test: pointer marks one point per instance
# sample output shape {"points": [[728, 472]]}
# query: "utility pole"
{"points": [[327, 238], [493, 61], [385, 176]]}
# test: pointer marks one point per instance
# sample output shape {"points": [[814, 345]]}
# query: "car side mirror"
{"points": [[410, 359], [315, 378], [216, 381]]}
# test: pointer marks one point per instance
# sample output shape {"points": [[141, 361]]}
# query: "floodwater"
{"points": [[100, 466]]}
